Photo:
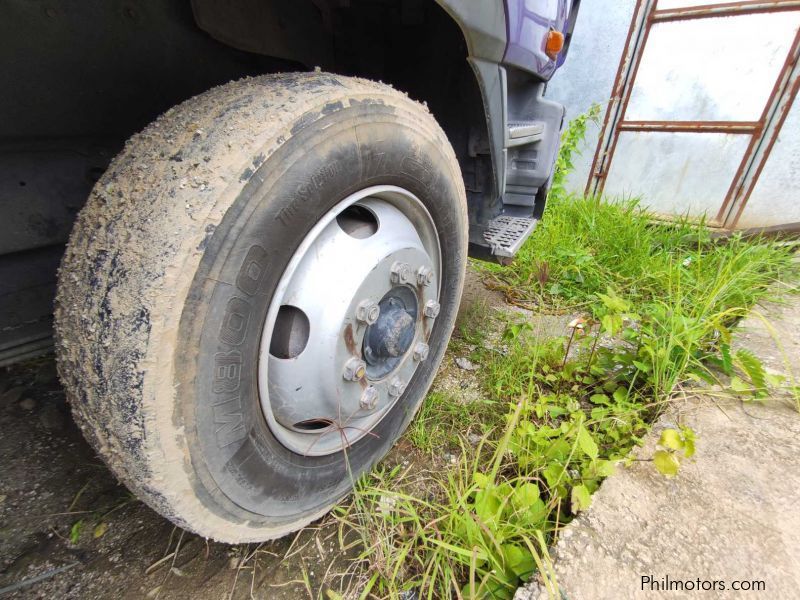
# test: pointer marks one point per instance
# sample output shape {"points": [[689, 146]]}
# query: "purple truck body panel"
{"points": [[528, 23]]}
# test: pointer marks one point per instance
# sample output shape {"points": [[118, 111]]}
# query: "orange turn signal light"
{"points": [[554, 43]]}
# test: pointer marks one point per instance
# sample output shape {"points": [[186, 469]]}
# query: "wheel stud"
{"points": [[396, 387], [369, 399], [368, 312], [424, 276], [355, 369], [421, 352], [401, 273], [431, 309]]}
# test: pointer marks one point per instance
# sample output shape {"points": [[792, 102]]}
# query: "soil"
{"points": [[52, 484], [65, 518]]}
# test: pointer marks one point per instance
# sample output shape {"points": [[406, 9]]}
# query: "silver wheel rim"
{"points": [[350, 321]]}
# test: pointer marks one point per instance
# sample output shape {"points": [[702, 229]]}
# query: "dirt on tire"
{"points": [[129, 265]]}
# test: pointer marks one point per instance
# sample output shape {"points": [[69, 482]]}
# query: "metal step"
{"points": [[506, 234], [524, 132]]}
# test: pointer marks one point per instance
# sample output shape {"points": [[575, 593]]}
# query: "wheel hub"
{"points": [[390, 337], [349, 322]]}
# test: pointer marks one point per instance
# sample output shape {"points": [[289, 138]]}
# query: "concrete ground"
{"points": [[731, 515]]}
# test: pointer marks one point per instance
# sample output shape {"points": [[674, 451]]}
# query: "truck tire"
{"points": [[257, 295]]}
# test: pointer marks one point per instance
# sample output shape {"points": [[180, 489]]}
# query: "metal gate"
{"points": [[699, 100]]}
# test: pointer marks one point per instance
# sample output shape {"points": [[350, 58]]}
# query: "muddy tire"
{"points": [[166, 319]]}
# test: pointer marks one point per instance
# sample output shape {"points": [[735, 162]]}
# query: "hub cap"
{"points": [[344, 330]]}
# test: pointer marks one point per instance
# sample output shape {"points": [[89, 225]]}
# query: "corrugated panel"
{"points": [[776, 196], [588, 74], [675, 173], [718, 69]]}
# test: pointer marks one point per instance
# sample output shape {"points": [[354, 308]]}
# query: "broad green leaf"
{"points": [[727, 360], [671, 439], [621, 394], [499, 588], [643, 367], [629, 334], [525, 494], [553, 473], [487, 504], [739, 386], [558, 450], [611, 323], [518, 560], [101, 529], [613, 302], [557, 411], [480, 479], [753, 367], [688, 448], [586, 442], [529, 508], [603, 468], [504, 491], [666, 463], [598, 399], [581, 499], [775, 379], [75, 531], [534, 514]]}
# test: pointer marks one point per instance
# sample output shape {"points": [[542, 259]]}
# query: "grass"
{"points": [[655, 303], [443, 421]]}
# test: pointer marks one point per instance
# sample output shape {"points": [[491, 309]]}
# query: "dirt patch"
{"points": [[51, 480]]}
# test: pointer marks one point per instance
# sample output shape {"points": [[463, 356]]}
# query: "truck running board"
{"points": [[506, 234]]}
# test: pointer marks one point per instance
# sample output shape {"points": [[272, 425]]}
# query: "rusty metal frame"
{"points": [[726, 9], [620, 92], [772, 118], [691, 126], [763, 133]]}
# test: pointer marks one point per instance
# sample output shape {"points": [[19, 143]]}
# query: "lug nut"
{"points": [[368, 311], [355, 369], [369, 399], [431, 309], [396, 387], [401, 273], [421, 352], [424, 276]]}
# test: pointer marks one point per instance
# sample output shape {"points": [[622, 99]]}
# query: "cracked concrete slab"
{"points": [[731, 514]]}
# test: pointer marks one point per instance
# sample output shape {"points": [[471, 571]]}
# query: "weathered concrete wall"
{"points": [[587, 76]]}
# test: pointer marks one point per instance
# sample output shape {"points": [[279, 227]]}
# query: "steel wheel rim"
{"points": [[331, 366]]}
